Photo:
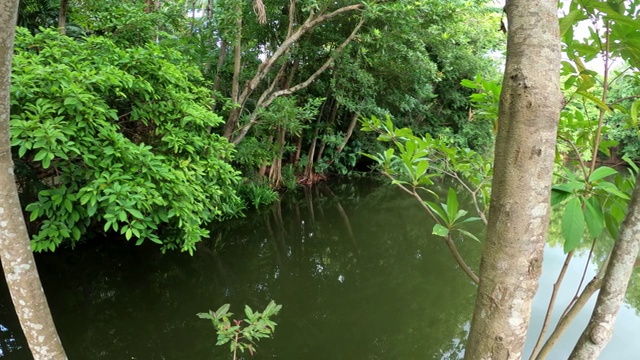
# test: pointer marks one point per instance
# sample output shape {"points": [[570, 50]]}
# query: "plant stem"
{"points": [[552, 301], [572, 311], [450, 243], [235, 346]]}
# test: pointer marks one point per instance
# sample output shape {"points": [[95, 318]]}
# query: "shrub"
{"points": [[116, 138]]}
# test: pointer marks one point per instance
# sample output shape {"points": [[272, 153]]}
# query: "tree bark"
{"points": [[614, 286], [234, 115], [15, 248], [62, 16], [216, 80], [520, 199], [352, 125]]}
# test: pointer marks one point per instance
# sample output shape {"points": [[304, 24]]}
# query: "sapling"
{"points": [[243, 334]]}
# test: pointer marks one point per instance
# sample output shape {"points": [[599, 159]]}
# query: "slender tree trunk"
{"points": [[216, 80], [308, 170], [275, 175], [570, 314], [15, 248], [614, 286], [149, 6], [347, 136], [264, 68], [296, 156], [62, 16], [520, 200], [235, 83]]}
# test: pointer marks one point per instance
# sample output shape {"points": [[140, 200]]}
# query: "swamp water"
{"points": [[354, 265]]}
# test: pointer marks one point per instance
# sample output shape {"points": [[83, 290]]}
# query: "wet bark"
{"points": [[15, 248], [520, 201]]}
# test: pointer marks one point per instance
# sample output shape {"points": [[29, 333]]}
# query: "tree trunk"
{"points": [[614, 286], [264, 68], [15, 248], [234, 115], [520, 199], [347, 137], [216, 80], [148, 6], [62, 16], [275, 173]]}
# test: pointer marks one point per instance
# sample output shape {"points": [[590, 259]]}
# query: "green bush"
{"points": [[116, 138]]}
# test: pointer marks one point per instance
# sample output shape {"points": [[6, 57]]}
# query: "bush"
{"points": [[116, 138]]}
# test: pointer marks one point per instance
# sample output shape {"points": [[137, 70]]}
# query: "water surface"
{"points": [[354, 265]]}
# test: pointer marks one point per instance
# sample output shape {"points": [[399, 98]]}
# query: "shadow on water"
{"points": [[354, 265]]}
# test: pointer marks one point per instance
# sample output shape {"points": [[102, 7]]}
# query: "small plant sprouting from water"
{"points": [[243, 334]]}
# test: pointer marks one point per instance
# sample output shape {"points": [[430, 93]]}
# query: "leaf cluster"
{"points": [[117, 138], [243, 334]]}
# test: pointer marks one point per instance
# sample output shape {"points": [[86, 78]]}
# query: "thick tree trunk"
{"points": [[621, 264], [519, 212], [15, 249]]}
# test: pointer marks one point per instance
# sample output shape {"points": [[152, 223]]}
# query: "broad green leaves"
{"points": [[594, 205], [572, 224], [409, 165], [117, 140]]}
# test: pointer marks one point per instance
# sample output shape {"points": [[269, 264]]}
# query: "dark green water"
{"points": [[353, 264]]}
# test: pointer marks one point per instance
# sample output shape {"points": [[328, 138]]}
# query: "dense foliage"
{"points": [[120, 125], [117, 138]]}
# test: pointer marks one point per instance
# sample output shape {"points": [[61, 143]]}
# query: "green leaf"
{"points": [[612, 224], [572, 224], [633, 113], [594, 99], [437, 209], [136, 213], [558, 196], [469, 219], [612, 189], [46, 162], [223, 311], [421, 168], [601, 173], [452, 206], [40, 155], [570, 187], [440, 230], [76, 233], [248, 312], [594, 217], [207, 316], [569, 20], [67, 205], [468, 234]]}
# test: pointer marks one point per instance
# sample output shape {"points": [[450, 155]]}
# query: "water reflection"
{"points": [[353, 264]]}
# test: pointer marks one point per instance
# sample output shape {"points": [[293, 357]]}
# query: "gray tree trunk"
{"points": [[15, 249], [519, 212], [615, 282]]}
